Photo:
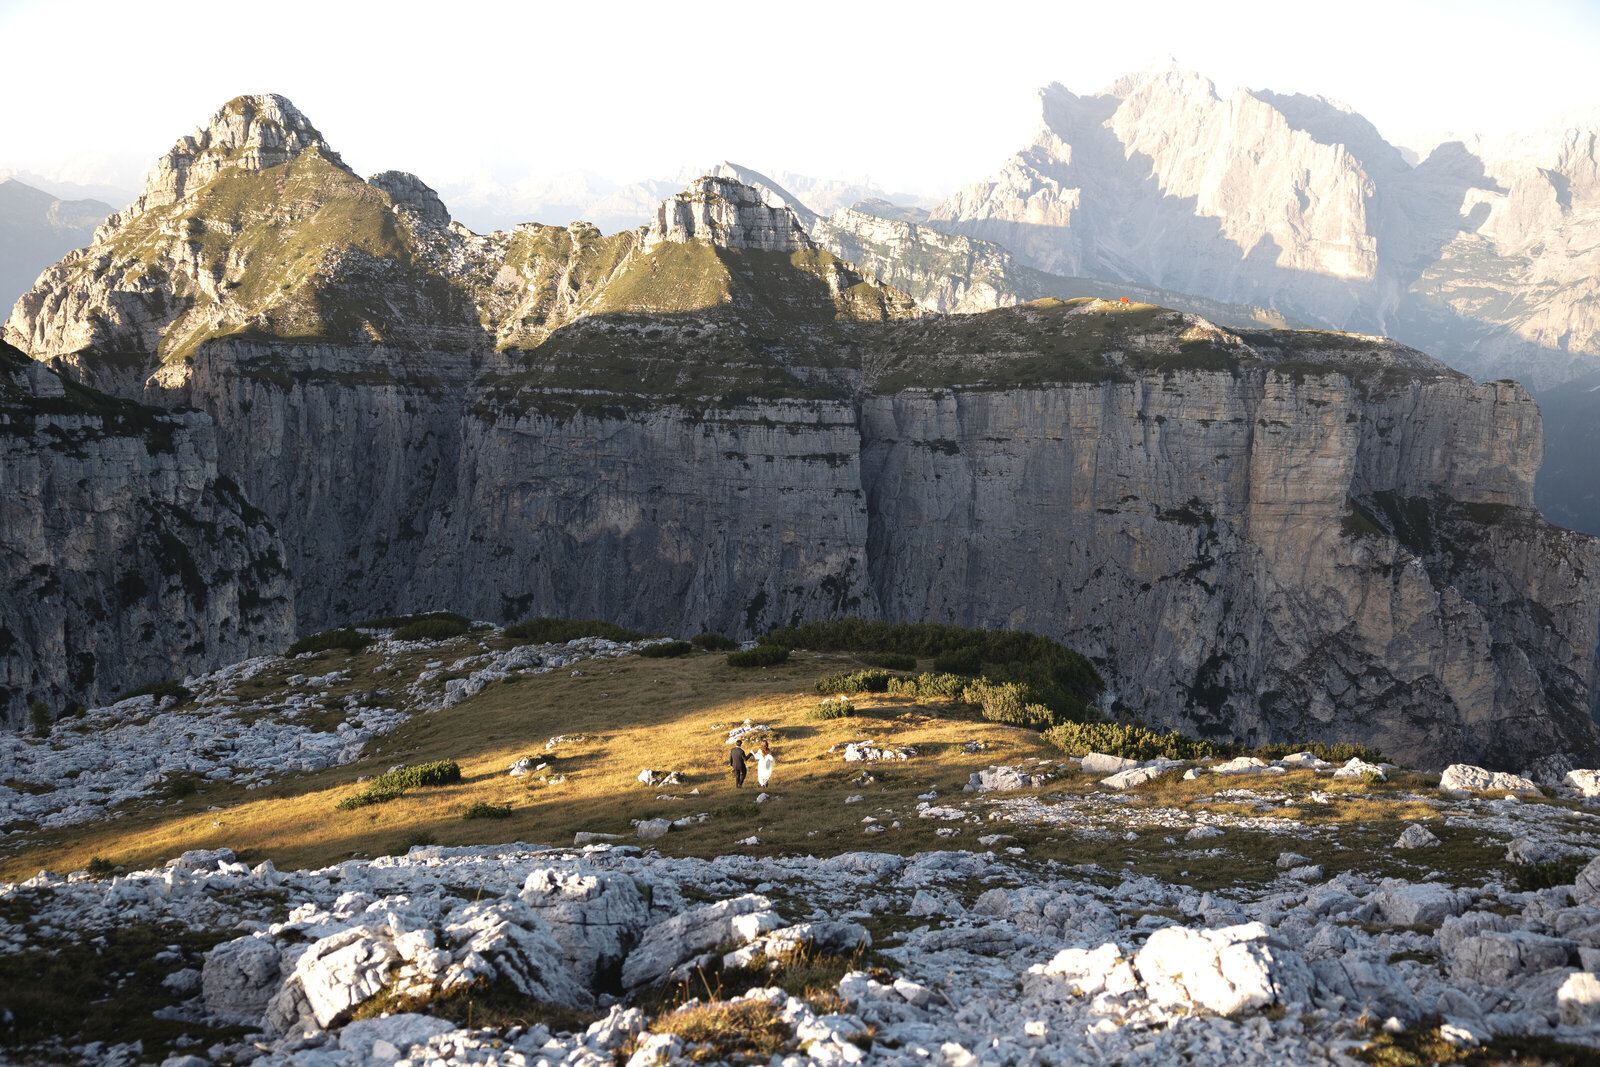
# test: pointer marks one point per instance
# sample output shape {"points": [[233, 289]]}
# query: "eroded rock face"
{"points": [[125, 556], [729, 214]]}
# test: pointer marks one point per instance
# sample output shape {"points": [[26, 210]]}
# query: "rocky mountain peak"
{"points": [[725, 212], [249, 133]]}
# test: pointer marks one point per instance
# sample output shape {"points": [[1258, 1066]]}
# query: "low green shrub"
{"points": [[713, 642], [1131, 741], [1009, 703], [386, 787], [431, 629], [924, 686], [832, 709], [484, 810], [869, 681], [548, 631], [100, 867], [967, 660], [159, 690], [348, 639], [889, 661], [666, 650], [760, 656]]}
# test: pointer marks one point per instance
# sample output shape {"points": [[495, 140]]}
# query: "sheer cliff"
{"points": [[713, 423], [125, 557]]}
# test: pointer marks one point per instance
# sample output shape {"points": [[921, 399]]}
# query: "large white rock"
{"points": [[1360, 768], [1090, 972], [1100, 763], [1579, 999], [1131, 777], [595, 916], [1225, 970], [238, 978], [1246, 765], [1416, 836], [1462, 778], [334, 975], [1586, 782], [400, 1032], [710, 928]]}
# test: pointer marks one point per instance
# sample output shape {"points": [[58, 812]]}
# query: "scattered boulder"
{"points": [[837, 938], [1493, 957], [1226, 970], [1529, 851], [1131, 777], [650, 829], [1246, 765], [1360, 768], [1368, 985], [1419, 904], [995, 779], [389, 1038], [586, 837], [1416, 836], [1459, 779]]}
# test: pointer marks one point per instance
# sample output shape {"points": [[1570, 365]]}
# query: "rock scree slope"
{"points": [[712, 423]]}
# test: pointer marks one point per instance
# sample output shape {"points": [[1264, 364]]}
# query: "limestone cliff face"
{"points": [[1262, 554], [124, 556], [712, 423]]}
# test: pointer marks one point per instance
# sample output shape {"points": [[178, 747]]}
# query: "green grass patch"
{"points": [[485, 810], [832, 709], [868, 681]]}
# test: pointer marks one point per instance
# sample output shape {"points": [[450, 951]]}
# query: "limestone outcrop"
{"points": [[710, 423]]}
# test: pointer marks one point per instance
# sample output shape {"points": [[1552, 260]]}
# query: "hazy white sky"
{"points": [[920, 97]]}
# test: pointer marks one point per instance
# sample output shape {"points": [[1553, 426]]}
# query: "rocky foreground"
{"points": [[1479, 924], [988, 958]]}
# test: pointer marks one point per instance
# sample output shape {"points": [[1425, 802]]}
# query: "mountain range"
{"points": [[711, 422]]}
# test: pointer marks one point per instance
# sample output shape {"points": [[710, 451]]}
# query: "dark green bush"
{"points": [[1055, 676], [100, 867], [666, 650], [760, 656], [390, 622], [39, 715], [967, 660], [159, 690], [182, 785], [388, 786], [348, 639], [713, 642], [1528, 877], [431, 629], [870, 681], [1131, 741], [890, 661], [832, 709], [1009, 703], [547, 631], [484, 810]]}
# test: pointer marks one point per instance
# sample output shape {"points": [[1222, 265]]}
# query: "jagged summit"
{"points": [[410, 191], [727, 213], [251, 133]]}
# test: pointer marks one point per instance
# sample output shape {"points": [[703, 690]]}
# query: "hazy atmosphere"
{"points": [[492, 104]]}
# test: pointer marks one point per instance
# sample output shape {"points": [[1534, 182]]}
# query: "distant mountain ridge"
{"points": [[1487, 253], [36, 229]]}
